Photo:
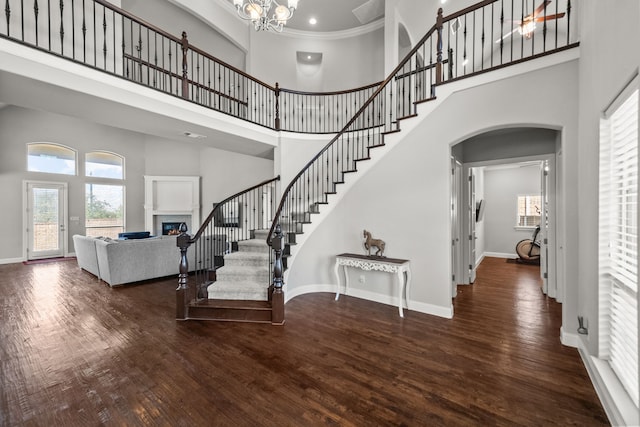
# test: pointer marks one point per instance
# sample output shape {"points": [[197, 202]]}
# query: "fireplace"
{"points": [[170, 228], [169, 201]]}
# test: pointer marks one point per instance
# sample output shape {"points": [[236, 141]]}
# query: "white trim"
{"points": [[25, 214], [434, 310], [616, 402], [569, 339], [479, 260], [499, 255], [335, 35], [421, 307], [11, 260]]}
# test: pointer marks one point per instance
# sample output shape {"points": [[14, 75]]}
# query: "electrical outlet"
{"points": [[361, 279]]}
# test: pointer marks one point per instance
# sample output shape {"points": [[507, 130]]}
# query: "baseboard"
{"points": [[420, 307], [434, 310], [479, 260], [11, 260], [499, 255], [617, 404], [568, 339], [307, 289]]}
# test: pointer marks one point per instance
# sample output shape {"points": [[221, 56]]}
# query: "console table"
{"points": [[388, 265]]}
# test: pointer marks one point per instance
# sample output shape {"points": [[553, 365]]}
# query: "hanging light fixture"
{"points": [[258, 12]]}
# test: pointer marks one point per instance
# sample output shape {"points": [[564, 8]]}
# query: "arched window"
{"points": [[51, 158], [102, 164]]}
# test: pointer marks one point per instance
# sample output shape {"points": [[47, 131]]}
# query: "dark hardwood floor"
{"points": [[74, 352]]}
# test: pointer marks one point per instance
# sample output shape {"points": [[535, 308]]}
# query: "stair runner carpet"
{"points": [[245, 274]]}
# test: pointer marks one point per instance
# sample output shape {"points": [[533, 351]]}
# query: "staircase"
{"points": [[243, 289], [245, 274]]}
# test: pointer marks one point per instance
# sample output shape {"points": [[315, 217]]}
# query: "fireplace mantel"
{"points": [[171, 198]]}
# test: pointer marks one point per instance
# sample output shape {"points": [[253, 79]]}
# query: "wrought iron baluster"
{"points": [[7, 14], [49, 22], [464, 53], [148, 58], [36, 11], [84, 32], [568, 20], [95, 37], [73, 29], [104, 37], [61, 27], [155, 59], [22, 17], [501, 30]]}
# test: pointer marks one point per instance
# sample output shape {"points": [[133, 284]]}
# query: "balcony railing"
{"points": [[477, 39], [100, 35]]}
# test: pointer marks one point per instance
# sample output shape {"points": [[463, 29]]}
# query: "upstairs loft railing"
{"points": [[489, 35], [233, 220], [102, 36]]}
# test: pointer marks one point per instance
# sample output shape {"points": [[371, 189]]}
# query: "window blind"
{"points": [[618, 251]]}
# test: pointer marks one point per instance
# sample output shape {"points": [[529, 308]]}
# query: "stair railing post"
{"points": [[277, 93], [439, 25], [182, 292], [185, 66], [277, 298]]}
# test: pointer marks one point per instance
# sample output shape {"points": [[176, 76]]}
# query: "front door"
{"points": [[45, 214]]}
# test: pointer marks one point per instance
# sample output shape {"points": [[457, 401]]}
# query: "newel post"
{"points": [[182, 292], [439, 25], [277, 296], [277, 92], [185, 66]]}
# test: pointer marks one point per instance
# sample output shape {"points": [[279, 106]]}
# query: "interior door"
{"points": [[544, 226], [456, 227], [45, 214], [472, 226]]}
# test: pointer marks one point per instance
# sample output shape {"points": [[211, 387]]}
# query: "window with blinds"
{"points": [[618, 251], [529, 210]]}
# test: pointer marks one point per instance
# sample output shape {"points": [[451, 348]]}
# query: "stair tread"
{"points": [[238, 284], [247, 255]]}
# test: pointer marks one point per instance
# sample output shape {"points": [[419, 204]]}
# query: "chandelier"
{"points": [[257, 11]]}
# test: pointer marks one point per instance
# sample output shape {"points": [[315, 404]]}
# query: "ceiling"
{"points": [[334, 15]]}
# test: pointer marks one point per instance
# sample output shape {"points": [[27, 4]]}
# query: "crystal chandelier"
{"points": [[257, 11]]}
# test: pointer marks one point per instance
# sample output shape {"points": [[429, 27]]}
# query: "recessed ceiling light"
{"points": [[313, 21]]}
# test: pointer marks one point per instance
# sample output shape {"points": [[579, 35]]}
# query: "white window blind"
{"points": [[618, 251], [529, 210]]}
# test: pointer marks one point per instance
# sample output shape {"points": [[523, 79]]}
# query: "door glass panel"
{"points": [[46, 226]]}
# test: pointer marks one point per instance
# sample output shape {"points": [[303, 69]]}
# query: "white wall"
{"points": [[223, 172], [347, 63], [609, 58], [502, 187], [174, 20], [405, 198]]}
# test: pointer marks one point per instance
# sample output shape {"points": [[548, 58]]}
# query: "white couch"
{"points": [[125, 261]]}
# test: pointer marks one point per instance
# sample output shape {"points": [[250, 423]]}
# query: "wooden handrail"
{"points": [[179, 77], [338, 92], [206, 222], [407, 58]]}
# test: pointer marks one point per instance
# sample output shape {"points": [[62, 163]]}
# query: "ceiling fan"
{"points": [[527, 25]]}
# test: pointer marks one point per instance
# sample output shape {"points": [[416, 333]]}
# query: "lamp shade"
{"points": [[282, 14], [293, 4]]}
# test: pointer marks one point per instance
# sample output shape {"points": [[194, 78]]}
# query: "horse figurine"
{"points": [[369, 243]]}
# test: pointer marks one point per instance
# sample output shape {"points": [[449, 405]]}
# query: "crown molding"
{"points": [[335, 35]]}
